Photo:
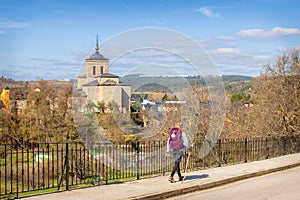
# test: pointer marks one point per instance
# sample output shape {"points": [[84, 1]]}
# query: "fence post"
{"points": [[67, 166], [245, 150], [5, 169], [17, 171], [267, 148], [220, 152], [284, 145], [138, 160], [106, 165]]}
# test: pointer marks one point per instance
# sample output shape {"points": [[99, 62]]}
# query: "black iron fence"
{"points": [[61, 166]]}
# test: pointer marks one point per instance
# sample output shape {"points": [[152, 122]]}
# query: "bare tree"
{"points": [[278, 94], [48, 115]]}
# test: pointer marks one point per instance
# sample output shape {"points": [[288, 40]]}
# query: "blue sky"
{"points": [[42, 39]]}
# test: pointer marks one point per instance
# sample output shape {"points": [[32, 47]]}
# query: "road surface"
{"points": [[279, 185]]}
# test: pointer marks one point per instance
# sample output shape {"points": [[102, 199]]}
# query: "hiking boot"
{"points": [[181, 178], [171, 179]]}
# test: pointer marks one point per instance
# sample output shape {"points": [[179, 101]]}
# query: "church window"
{"points": [[101, 70], [94, 70]]}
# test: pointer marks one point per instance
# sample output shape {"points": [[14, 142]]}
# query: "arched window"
{"points": [[94, 70], [101, 70]]}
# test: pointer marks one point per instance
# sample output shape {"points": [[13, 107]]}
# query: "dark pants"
{"points": [[176, 155]]}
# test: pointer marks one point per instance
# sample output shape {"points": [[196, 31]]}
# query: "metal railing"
{"points": [[62, 166]]}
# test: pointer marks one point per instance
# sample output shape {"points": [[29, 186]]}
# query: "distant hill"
{"points": [[231, 78], [139, 82], [10, 83], [154, 87]]}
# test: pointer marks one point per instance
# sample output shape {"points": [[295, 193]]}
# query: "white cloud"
{"points": [[44, 59], [219, 41], [282, 49], [207, 43], [208, 12], [5, 24], [262, 57], [81, 55], [285, 31], [232, 51], [237, 61], [263, 34], [225, 38]]}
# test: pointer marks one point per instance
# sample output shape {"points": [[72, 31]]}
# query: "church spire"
{"points": [[97, 55], [97, 45]]}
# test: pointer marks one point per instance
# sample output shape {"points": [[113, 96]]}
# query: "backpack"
{"points": [[175, 141]]}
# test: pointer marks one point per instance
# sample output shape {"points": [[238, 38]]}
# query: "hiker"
{"points": [[176, 145]]}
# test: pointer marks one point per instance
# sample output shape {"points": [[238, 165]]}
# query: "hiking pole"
{"points": [[186, 165]]}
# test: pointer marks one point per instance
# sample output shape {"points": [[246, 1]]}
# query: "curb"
{"points": [[176, 192]]}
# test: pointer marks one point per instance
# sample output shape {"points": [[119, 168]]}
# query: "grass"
{"points": [[12, 158], [33, 193], [89, 182]]}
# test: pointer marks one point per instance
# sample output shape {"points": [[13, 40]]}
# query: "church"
{"points": [[100, 86]]}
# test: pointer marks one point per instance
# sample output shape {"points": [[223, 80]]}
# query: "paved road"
{"points": [[279, 185]]}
